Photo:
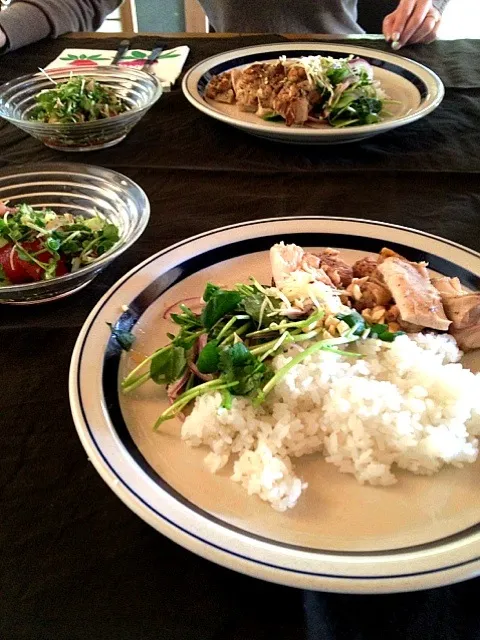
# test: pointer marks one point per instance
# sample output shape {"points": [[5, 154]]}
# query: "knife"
{"points": [[121, 51], [159, 47]]}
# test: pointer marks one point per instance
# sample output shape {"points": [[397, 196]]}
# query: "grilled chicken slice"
{"points": [[463, 309], [220, 88], [246, 84], [418, 301], [339, 272], [374, 293], [388, 253], [292, 104], [285, 259], [364, 267], [275, 75], [296, 97]]}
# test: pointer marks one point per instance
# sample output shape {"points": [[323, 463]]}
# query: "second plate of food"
{"points": [[312, 93], [295, 432]]}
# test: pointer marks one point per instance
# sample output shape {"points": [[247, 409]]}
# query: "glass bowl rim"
{"points": [[64, 126], [109, 256]]}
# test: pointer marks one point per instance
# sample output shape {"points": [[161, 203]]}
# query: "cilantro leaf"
{"points": [[168, 365], [259, 306], [219, 305], [210, 291], [239, 365], [209, 358], [124, 338]]}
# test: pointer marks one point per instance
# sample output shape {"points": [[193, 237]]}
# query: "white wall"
{"points": [[461, 19]]}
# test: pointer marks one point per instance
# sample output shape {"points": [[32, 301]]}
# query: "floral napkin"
{"points": [[167, 67]]}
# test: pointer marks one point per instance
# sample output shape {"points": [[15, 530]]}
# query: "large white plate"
{"points": [[419, 533], [417, 89]]}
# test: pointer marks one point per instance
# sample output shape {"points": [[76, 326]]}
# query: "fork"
{"points": [[121, 51], [154, 54]]}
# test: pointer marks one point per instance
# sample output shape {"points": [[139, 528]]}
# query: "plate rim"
{"points": [[282, 574], [267, 129]]}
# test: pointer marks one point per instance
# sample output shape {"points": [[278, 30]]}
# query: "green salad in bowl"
{"points": [[79, 109]]}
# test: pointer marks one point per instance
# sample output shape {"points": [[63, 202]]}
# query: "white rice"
{"points": [[408, 404]]}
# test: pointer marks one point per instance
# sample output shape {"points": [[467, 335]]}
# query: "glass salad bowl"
{"points": [[79, 190], [138, 90]]}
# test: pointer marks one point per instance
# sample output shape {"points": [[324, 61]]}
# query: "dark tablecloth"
{"points": [[75, 563]]}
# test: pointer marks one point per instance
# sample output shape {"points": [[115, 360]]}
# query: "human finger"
{"points": [[416, 20]]}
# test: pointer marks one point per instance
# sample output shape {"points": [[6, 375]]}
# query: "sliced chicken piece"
{"points": [[339, 272], [292, 105], [293, 100], [364, 267], [394, 321], [246, 84], [467, 338], [418, 301], [463, 309], [393, 314], [409, 327], [220, 88], [388, 253], [275, 76], [449, 287], [373, 292], [286, 259]]}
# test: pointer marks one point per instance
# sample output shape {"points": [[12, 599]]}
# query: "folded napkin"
{"points": [[167, 67]]}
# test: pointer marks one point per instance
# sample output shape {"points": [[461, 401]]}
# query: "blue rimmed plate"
{"points": [[420, 533], [416, 90]]}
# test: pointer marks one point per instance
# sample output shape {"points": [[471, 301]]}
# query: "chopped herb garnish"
{"points": [[209, 358], [218, 305], [39, 244], [124, 338], [79, 99], [168, 365], [230, 344]]}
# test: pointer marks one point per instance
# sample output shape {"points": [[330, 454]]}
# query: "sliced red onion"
{"points": [[4, 209], [203, 376], [174, 389], [359, 64], [180, 415], [202, 342]]}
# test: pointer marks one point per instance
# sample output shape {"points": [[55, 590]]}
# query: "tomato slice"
{"points": [[12, 265], [61, 268], [19, 271], [33, 270]]}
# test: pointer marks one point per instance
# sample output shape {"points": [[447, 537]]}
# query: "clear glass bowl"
{"points": [[139, 89], [81, 190]]}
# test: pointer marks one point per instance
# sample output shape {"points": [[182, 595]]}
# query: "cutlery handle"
{"points": [[154, 54], [121, 51]]}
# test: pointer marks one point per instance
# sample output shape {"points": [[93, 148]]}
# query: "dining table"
{"points": [[75, 562]]}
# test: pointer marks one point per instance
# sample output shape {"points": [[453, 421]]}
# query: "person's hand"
{"points": [[3, 39], [412, 21]]}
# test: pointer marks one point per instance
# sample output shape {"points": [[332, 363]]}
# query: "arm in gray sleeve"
{"points": [[27, 21]]}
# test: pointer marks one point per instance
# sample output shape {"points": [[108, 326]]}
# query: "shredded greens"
{"points": [[350, 95], [79, 99], [228, 347], [41, 244]]}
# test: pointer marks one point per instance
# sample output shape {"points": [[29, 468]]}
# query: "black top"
{"points": [[75, 563]]}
